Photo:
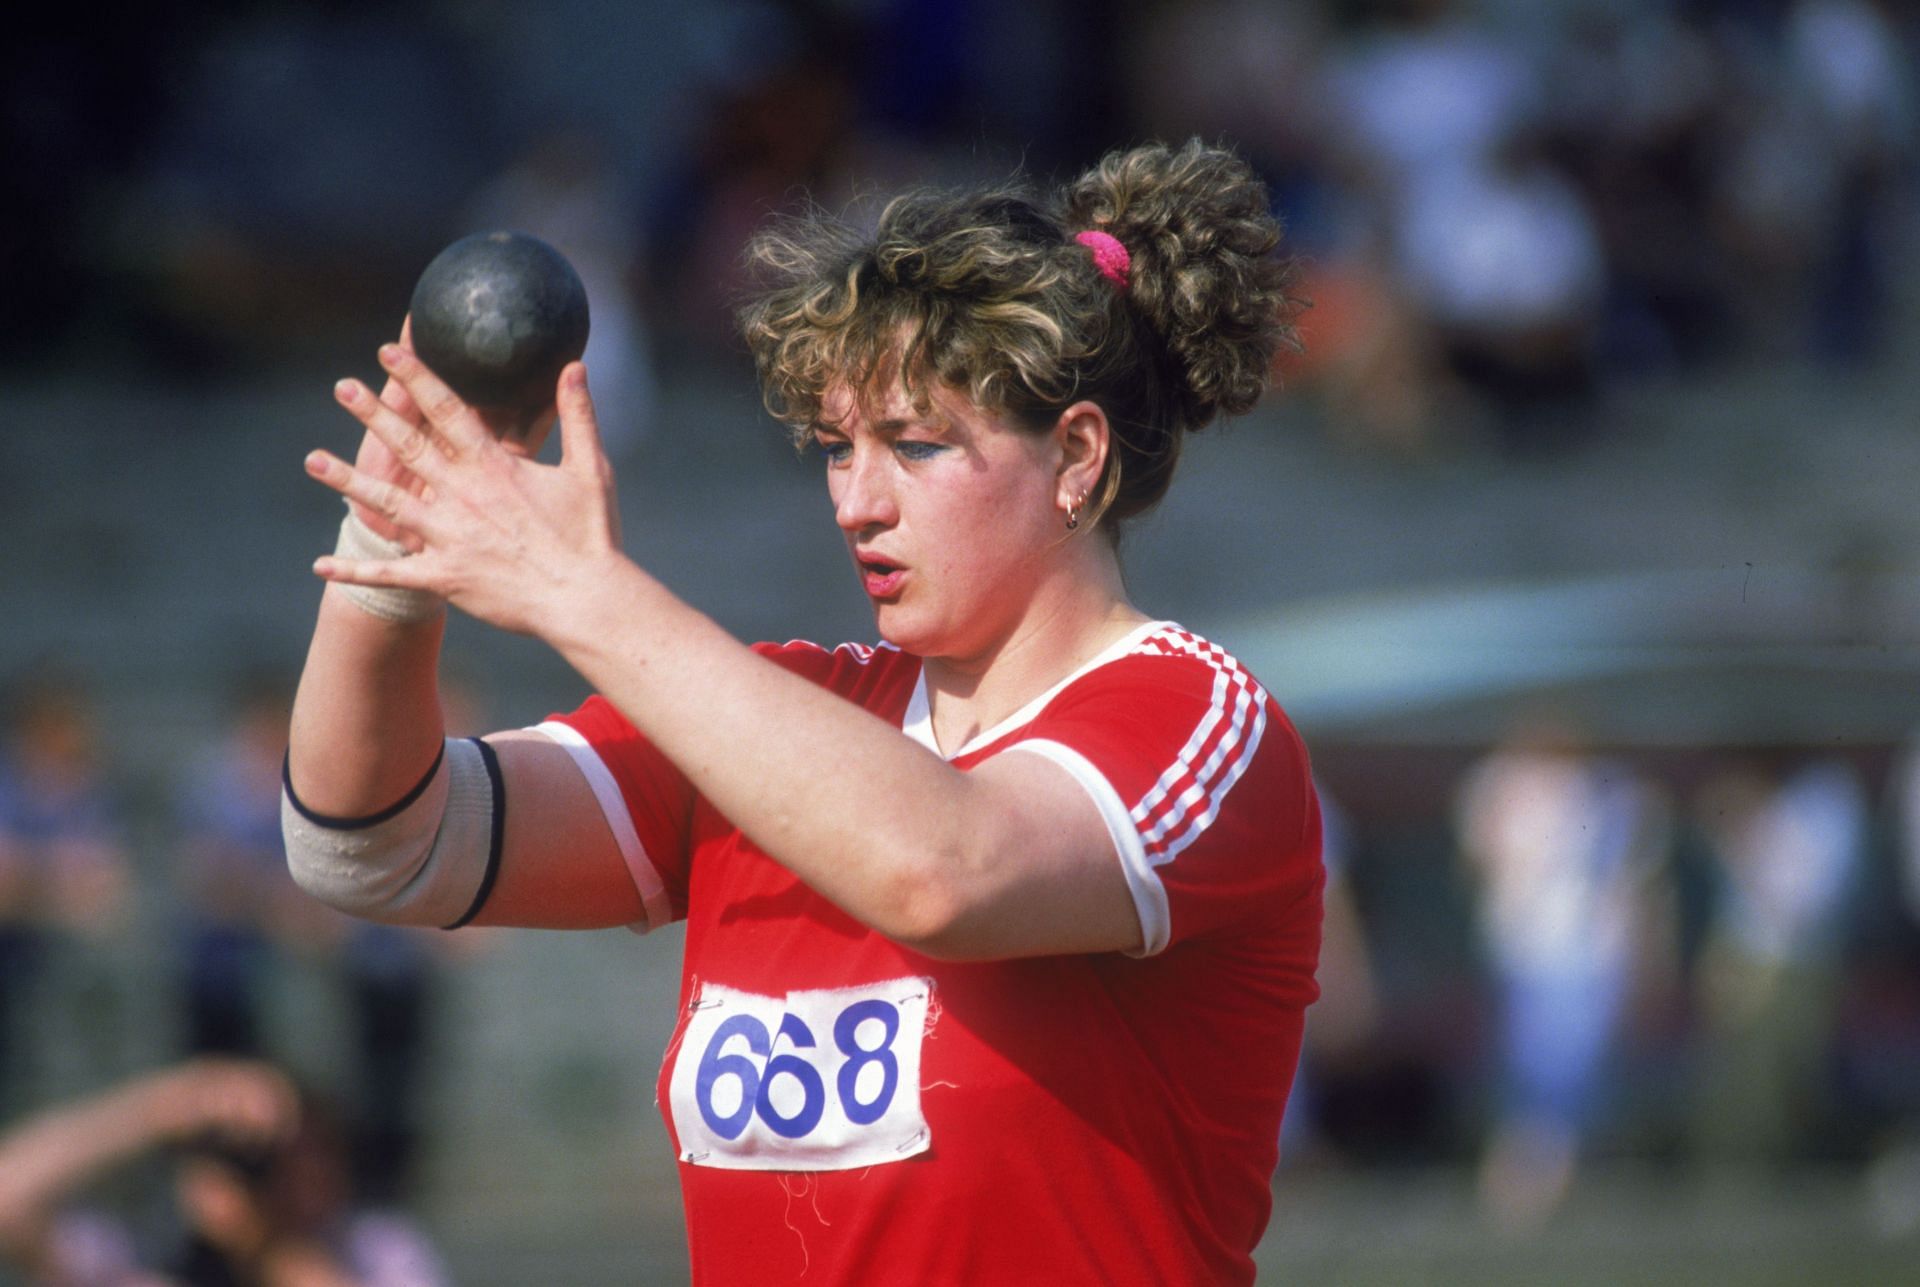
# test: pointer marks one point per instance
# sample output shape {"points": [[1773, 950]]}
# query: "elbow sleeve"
{"points": [[429, 859]]}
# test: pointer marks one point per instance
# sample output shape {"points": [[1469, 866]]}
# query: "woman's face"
{"points": [[951, 517]]}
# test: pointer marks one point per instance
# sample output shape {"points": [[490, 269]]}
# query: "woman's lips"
{"points": [[881, 579]]}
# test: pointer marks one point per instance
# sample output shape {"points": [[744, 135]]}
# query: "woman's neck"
{"points": [[1059, 633]]}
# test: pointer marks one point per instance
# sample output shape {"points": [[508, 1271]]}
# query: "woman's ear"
{"points": [[1084, 437]]}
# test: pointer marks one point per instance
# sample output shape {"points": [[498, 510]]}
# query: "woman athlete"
{"points": [[1000, 932]]}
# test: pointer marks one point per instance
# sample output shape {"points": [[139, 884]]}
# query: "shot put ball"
{"points": [[497, 315]]}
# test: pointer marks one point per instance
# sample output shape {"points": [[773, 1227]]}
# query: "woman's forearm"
{"points": [[366, 717], [873, 822]]}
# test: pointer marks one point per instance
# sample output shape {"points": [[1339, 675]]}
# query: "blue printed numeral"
{"points": [[714, 1066], [814, 1095], [756, 1072], [857, 1058]]}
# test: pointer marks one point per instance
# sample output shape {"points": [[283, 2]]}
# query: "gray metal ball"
{"points": [[497, 315]]}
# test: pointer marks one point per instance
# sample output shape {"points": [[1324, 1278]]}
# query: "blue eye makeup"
{"points": [[839, 450]]}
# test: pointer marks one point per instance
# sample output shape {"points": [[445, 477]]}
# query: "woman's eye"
{"points": [[835, 452], [917, 450]]}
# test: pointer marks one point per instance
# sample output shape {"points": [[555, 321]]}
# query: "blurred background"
{"points": [[1580, 543]]}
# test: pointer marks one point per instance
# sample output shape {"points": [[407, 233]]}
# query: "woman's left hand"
{"points": [[502, 536]]}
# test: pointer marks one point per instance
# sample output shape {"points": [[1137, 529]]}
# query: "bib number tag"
{"points": [[826, 1080]]}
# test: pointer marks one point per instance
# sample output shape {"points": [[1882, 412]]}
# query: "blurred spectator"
{"points": [[1369, 358], [1848, 63], [564, 189], [1258, 74], [65, 877], [1640, 122], [1745, 171], [307, 153], [389, 979], [1788, 840], [774, 134], [1426, 91], [1246, 71], [242, 912], [1505, 263], [259, 1185], [1492, 243], [1563, 844]]}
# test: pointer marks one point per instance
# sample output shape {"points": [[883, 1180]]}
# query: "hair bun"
{"points": [[1201, 235]]}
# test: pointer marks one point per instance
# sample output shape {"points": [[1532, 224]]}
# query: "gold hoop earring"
{"points": [[1073, 511]]}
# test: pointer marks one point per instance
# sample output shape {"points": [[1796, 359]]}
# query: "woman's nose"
{"points": [[862, 495]]}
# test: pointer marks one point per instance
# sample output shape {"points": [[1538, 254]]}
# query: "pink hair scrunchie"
{"points": [[1109, 256]]}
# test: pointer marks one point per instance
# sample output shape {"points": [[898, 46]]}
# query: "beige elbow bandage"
{"points": [[430, 859], [358, 541]]}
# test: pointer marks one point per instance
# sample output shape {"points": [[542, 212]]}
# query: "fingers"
{"points": [[385, 574], [401, 509], [416, 415], [394, 393], [455, 427], [406, 434], [392, 502]]}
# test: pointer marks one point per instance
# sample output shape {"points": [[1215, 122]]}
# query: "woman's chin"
{"points": [[903, 632]]}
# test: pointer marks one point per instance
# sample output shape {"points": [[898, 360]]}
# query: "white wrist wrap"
{"points": [[358, 541], [428, 860]]}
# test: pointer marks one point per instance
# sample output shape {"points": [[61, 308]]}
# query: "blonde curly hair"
{"points": [[987, 292]]}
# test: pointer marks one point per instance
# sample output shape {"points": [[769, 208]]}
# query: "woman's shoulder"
{"points": [[1167, 655], [1170, 685]]}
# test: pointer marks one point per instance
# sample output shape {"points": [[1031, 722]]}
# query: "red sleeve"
{"points": [[648, 803], [1204, 786]]}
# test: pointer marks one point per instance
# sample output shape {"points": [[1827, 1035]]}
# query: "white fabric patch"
{"points": [[826, 1080]]}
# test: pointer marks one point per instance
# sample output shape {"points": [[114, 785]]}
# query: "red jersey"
{"points": [[849, 1111]]}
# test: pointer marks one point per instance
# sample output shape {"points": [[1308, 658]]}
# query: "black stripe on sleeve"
{"points": [[356, 824], [492, 872]]}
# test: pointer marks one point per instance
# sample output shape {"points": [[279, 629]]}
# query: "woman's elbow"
{"points": [[925, 909]]}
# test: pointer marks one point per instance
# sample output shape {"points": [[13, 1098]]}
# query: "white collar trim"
{"points": [[917, 723]]}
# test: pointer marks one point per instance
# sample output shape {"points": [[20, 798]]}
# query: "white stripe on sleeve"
{"points": [[1149, 895], [613, 805], [1187, 797]]}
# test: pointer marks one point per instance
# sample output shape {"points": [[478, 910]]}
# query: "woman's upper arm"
{"points": [[560, 866], [1161, 798], [1044, 876]]}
